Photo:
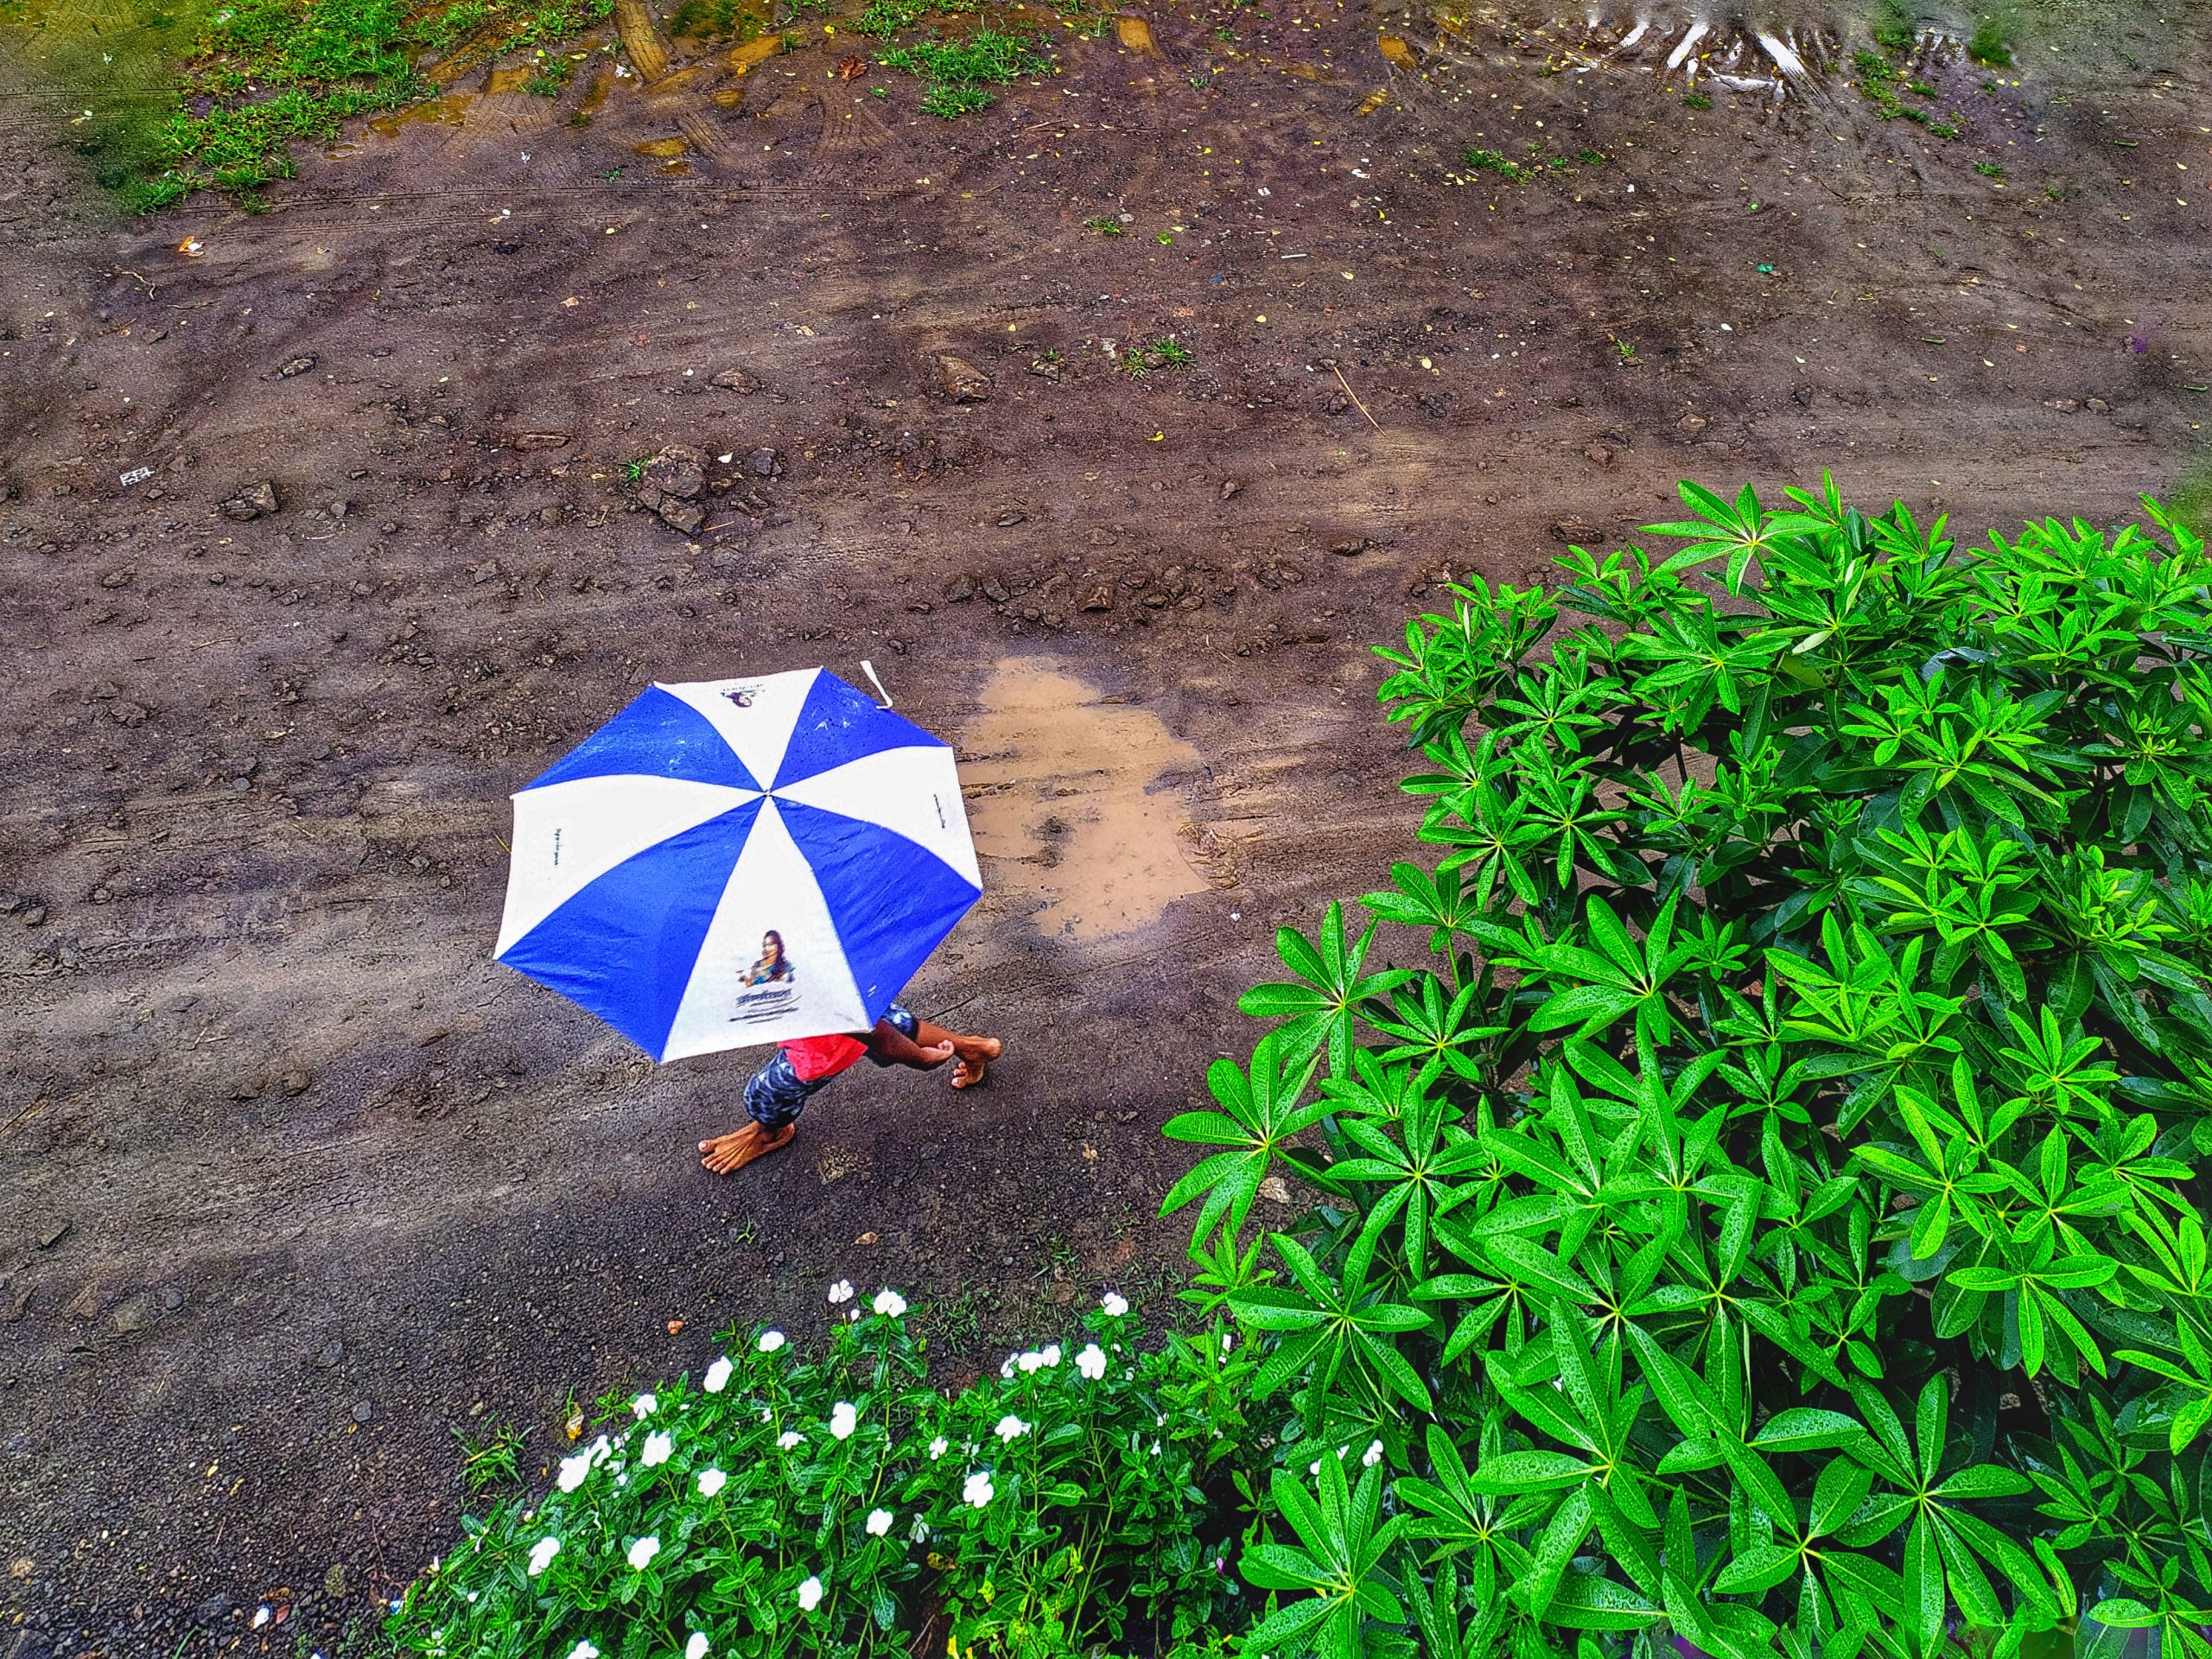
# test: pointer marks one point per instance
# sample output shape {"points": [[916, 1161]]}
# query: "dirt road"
{"points": [[321, 536]]}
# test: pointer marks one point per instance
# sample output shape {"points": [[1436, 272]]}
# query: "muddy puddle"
{"points": [[1072, 799]]}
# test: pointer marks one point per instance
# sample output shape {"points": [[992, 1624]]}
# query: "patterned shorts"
{"points": [[776, 1094]]}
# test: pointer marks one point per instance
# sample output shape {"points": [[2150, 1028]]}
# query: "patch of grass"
{"points": [[1895, 30], [958, 71], [1492, 161], [885, 18], [1989, 170], [553, 73], [959, 1322], [737, 21], [1593, 158], [489, 1461], [1696, 101], [1879, 83], [267, 74], [1991, 42], [1105, 224]]}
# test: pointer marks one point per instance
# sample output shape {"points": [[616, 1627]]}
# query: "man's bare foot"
{"points": [[975, 1054], [727, 1154]]}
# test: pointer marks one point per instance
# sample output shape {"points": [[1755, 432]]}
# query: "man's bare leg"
{"points": [[971, 1054], [727, 1154]]}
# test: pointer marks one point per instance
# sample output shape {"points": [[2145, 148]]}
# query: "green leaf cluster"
{"points": [[1759, 1206]]}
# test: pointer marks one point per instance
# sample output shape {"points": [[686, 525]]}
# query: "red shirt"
{"points": [[815, 1057]]}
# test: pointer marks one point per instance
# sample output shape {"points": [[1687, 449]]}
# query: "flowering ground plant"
{"points": [[841, 1505]]}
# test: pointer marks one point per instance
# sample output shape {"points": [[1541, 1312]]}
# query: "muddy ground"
{"points": [[294, 1182]]}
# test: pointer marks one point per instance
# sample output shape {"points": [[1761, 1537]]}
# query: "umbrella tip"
{"points": [[869, 668]]}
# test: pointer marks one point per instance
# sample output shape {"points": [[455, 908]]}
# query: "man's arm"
{"points": [[888, 1045]]}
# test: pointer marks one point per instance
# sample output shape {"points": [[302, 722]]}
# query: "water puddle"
{"points": [[742, 58], [1063, 797], [513, 79], [662, 148], [1134, 33], [452, 108]]}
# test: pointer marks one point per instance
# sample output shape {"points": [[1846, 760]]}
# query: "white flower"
{"points": [[843, 1419], [770, 1341], [978, 1491], [920, 1531], [1006, 1369], [810, 1595], [572, 1470], [1091, 1361], [645, 1404], [1032, 1361], [1372, 1456], [1010, 1428], [711, 1481], [583, 1651], [1155, 1448], [789, 1437], [697, 1647], [1051, 1357], [660, 1446], [1115, 1304], [541, 1554], [840, 1292], [1228, 1340], [600, 1451], [642, 1552], [890, 1302], [879, 1523], [718, 1375], [939, 1448]]}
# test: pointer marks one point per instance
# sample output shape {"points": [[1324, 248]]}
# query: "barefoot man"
{"points": [[779, 1091]]}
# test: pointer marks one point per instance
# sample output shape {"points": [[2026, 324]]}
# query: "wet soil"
{"points": [[322, 535]]}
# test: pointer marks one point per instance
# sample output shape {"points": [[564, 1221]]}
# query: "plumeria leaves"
{"points": [[1341, 1543], [1778, 1184], [1260, 1115], [1319, 1010]]}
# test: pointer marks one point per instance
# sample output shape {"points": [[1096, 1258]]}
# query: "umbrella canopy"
{"points": [[735, 862]]}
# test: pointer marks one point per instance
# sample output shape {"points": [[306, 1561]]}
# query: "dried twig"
{"points": [[1354, 396]]}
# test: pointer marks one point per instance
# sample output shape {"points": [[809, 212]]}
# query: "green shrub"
{"points": [[1083, 1499], [1766, 1218]]}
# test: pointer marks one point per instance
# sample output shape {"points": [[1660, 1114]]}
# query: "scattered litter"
{"points": [[136, 475], [192, 247]]}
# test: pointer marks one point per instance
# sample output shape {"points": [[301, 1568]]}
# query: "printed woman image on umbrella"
{"points": [[736, 861]]}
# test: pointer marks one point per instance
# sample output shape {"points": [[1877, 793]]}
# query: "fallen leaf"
{"points": [[865, 1238], [675, 1325]]}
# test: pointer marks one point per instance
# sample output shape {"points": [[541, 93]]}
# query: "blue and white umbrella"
{"points": [[737, 861]]}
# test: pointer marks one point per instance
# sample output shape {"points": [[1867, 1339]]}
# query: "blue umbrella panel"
{"points": [[735, 862]]}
